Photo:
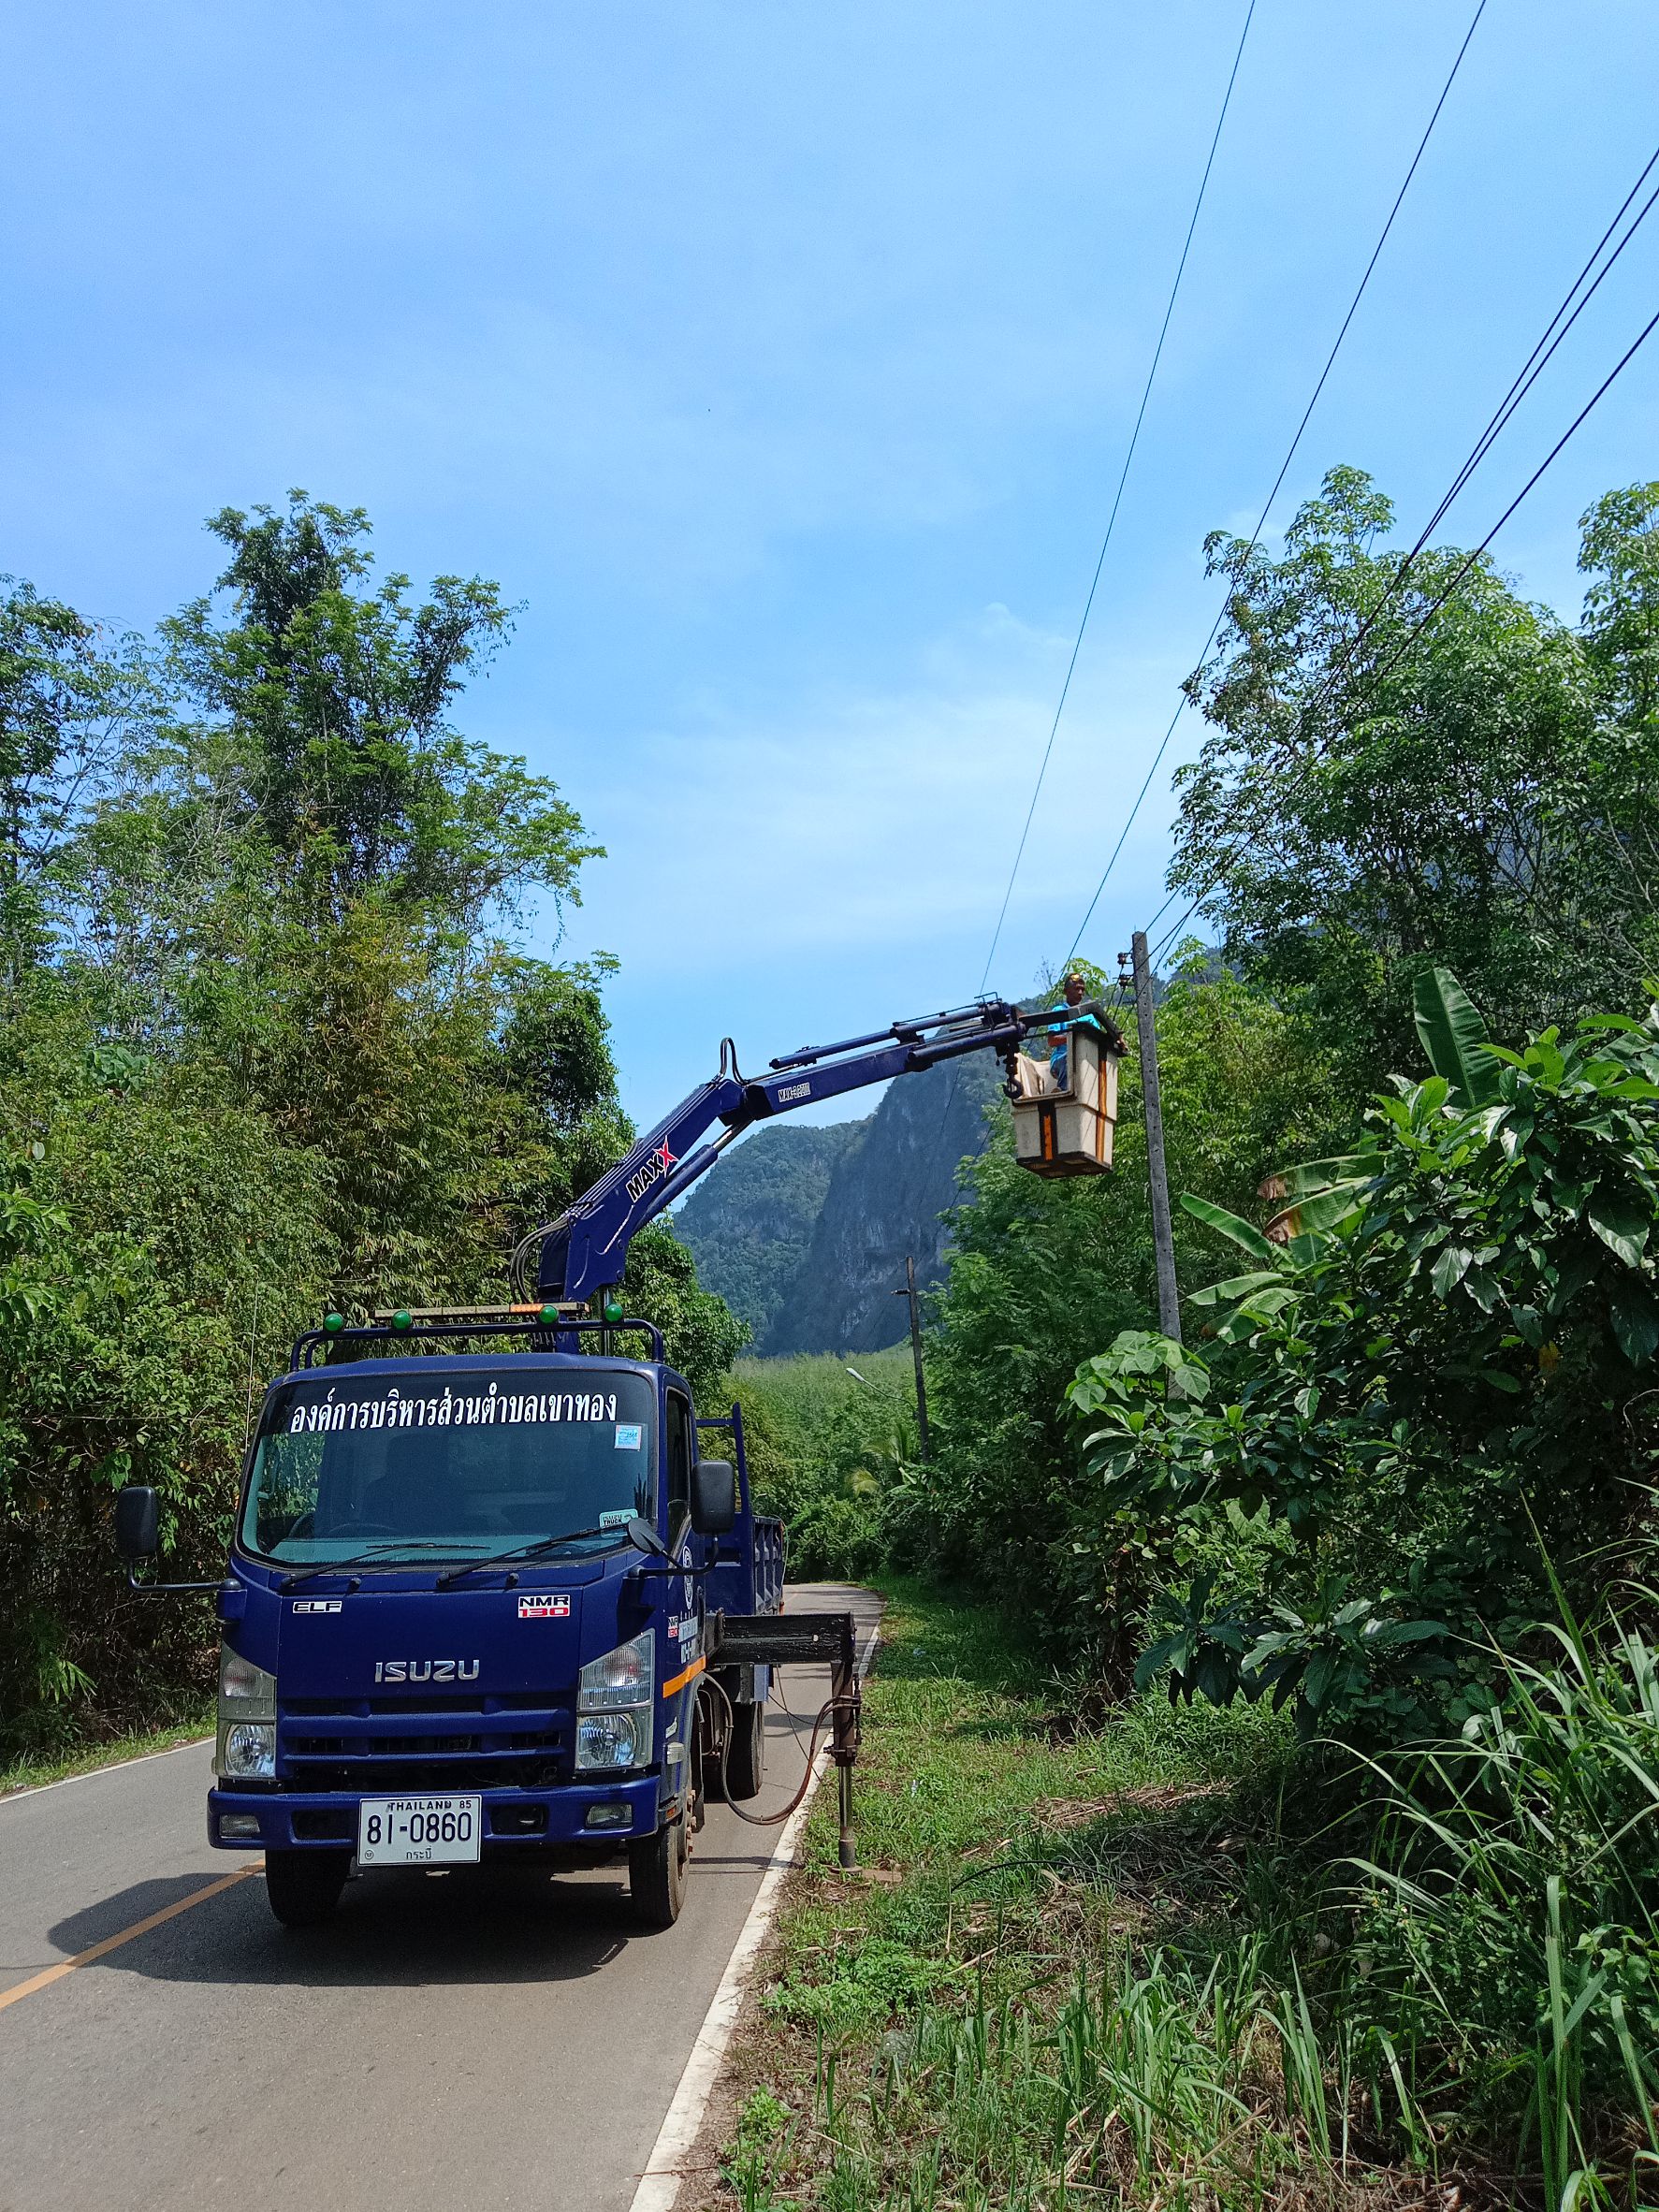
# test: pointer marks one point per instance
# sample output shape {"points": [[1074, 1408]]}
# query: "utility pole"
{"points": [[1163, 1238], [909, 1290]]}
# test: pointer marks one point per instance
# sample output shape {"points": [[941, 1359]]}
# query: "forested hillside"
{"points": [[807, 1240], [749, 1221], [268, 1043]]}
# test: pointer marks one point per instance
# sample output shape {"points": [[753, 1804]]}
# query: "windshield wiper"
{"points": [[369, 1558], [545, 1544]]}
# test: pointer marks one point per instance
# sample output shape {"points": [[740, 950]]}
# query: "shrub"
{"points": [[1441, 1351]]}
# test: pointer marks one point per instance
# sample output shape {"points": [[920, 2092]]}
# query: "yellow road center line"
{"points": [[56, 1973]]}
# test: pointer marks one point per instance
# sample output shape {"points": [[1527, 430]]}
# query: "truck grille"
{"points": [[402, 1745]]}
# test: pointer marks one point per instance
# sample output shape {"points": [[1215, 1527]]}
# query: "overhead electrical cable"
{"points": [[1285, 465], [1411, 636], [1117, 497], [1538, 359]]}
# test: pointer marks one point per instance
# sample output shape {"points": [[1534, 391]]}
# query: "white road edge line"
{"points": [[37, 1789], [660, 2184]]}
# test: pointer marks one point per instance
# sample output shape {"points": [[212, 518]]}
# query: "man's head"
{"points": [[1076, 990]]}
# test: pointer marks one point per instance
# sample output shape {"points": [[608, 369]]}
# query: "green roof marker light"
{"points": [[333, 1324], [401, 1319], [613, 1309]]}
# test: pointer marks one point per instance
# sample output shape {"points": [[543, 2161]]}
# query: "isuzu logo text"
{"points": [[425, 1670]]}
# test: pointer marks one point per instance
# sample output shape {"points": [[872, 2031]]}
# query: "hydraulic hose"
{"points": [[770, 1820]]}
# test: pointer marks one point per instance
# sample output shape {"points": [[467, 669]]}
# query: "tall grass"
{"points": [[1513, 1906], [831, 1445], [1106, 1976], [810, 1392], [1151, 2082]]}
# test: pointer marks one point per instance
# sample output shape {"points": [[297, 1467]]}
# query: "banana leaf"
{"points": [[1242, 1234], [1235, 1286], [1319, 1174], [1454, 1037]]}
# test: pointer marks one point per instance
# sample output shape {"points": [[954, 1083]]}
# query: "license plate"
{"points": [[418, 1831]]}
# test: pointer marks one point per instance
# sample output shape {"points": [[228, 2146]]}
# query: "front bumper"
{"points": [[513, 1819]]}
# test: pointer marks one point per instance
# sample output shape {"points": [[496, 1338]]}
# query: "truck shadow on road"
{"points": [[391, 1930]]}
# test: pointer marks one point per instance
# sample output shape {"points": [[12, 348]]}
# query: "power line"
{"points": [[1117, 497], [1285, 465], [1415, 631], [1526, 377]]}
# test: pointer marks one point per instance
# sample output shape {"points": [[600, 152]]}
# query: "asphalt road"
{"points": [[450, 2039]]}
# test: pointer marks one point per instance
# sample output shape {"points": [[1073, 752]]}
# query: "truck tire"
{"points": [[657, 1866], [711, 1722], [746, 1752], [304, 1886]]}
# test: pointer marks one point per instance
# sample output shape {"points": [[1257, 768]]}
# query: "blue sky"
{"points": [[780, 359]]}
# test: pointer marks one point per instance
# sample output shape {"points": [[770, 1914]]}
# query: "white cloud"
{"points": [[856, 821]]}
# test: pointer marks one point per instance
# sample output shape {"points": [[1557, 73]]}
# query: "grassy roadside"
{"points": [[1076, 1974], [31, 1773]]}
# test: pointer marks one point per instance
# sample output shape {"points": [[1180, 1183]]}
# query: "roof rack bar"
{"points": [[425, 1331], [474, 1313]]}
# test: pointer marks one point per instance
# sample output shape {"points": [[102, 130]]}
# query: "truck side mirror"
{"points": [[714, 1497], [644, 1537], [138, 1525]]}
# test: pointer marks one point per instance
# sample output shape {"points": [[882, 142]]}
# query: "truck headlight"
{"points": [[614, 1706], [246, 1692], [247, 1751], [247, 1716], [612, 1739], [622, 1676]]}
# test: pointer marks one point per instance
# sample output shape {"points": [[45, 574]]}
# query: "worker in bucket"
{"points": [[1072, 994]]}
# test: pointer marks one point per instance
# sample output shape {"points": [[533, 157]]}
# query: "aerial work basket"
{"points": [[1066, 1103]]}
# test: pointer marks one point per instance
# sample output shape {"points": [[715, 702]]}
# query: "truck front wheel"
{"points": [[657, 1868], [304, 1886]]}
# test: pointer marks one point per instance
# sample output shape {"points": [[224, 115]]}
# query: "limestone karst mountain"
{"points": [[804, 1231]]}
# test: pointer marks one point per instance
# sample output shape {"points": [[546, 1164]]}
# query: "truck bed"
{"points": [[748, 1577]]}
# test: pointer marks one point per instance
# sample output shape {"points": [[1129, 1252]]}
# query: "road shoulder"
{"points": [[701, 2115]]}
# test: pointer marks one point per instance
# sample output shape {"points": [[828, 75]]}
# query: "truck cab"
{"points": [[466, 1616]]}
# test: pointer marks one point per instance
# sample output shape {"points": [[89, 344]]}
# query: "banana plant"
{"points": [[1322, 1199], [1326, 1196]]}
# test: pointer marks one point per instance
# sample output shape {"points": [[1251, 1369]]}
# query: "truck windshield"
{"points": [[465, 1464]]}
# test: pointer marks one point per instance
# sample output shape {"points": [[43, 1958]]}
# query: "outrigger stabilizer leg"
{"points": [[783, 1639], [846, 1725]]}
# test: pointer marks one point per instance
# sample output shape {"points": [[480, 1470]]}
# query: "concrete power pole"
{"points": [[910, 1291], [1163, 1239]]}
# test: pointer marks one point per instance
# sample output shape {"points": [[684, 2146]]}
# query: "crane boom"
{"points": [[586, 1250]]}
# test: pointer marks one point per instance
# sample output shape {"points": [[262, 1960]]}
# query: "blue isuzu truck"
{"points": [[469, 1610], [486, 1596]]}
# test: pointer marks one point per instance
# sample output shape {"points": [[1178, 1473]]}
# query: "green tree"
{"points": [[272, 1042], [338, 698], [67, 697], [1388, 784], [160, 1247], [309, 875]]}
